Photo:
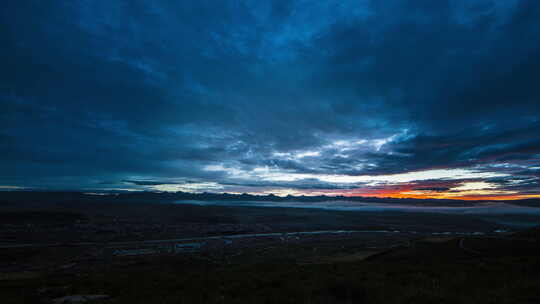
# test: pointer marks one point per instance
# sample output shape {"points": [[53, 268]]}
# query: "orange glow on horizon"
{"points": [[440, 191], [445, 196]]}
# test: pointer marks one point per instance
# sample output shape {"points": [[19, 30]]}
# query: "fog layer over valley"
{"points": [[476, 208]]}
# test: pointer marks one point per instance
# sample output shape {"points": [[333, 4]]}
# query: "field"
{"points": [[53, 252]]}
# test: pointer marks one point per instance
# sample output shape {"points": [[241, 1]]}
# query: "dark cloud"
{"points": [[148, 183], [146, 92], [436, 189]]}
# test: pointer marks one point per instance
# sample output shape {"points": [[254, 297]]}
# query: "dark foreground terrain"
{"points": [[102, 252], [431, 270]]}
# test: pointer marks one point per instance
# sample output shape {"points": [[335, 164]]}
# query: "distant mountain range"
{"points": [[147, 196]]}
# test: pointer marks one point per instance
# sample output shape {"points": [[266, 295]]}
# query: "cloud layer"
{"points": [[394, 98]]}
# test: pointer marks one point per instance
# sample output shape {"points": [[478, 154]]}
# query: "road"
{"points": [[202, 238]]}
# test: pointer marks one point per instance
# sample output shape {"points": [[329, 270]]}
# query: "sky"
{"points": [[420, 99]]}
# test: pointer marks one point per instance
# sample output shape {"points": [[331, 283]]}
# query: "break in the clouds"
{"points": [[381, 98]]}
